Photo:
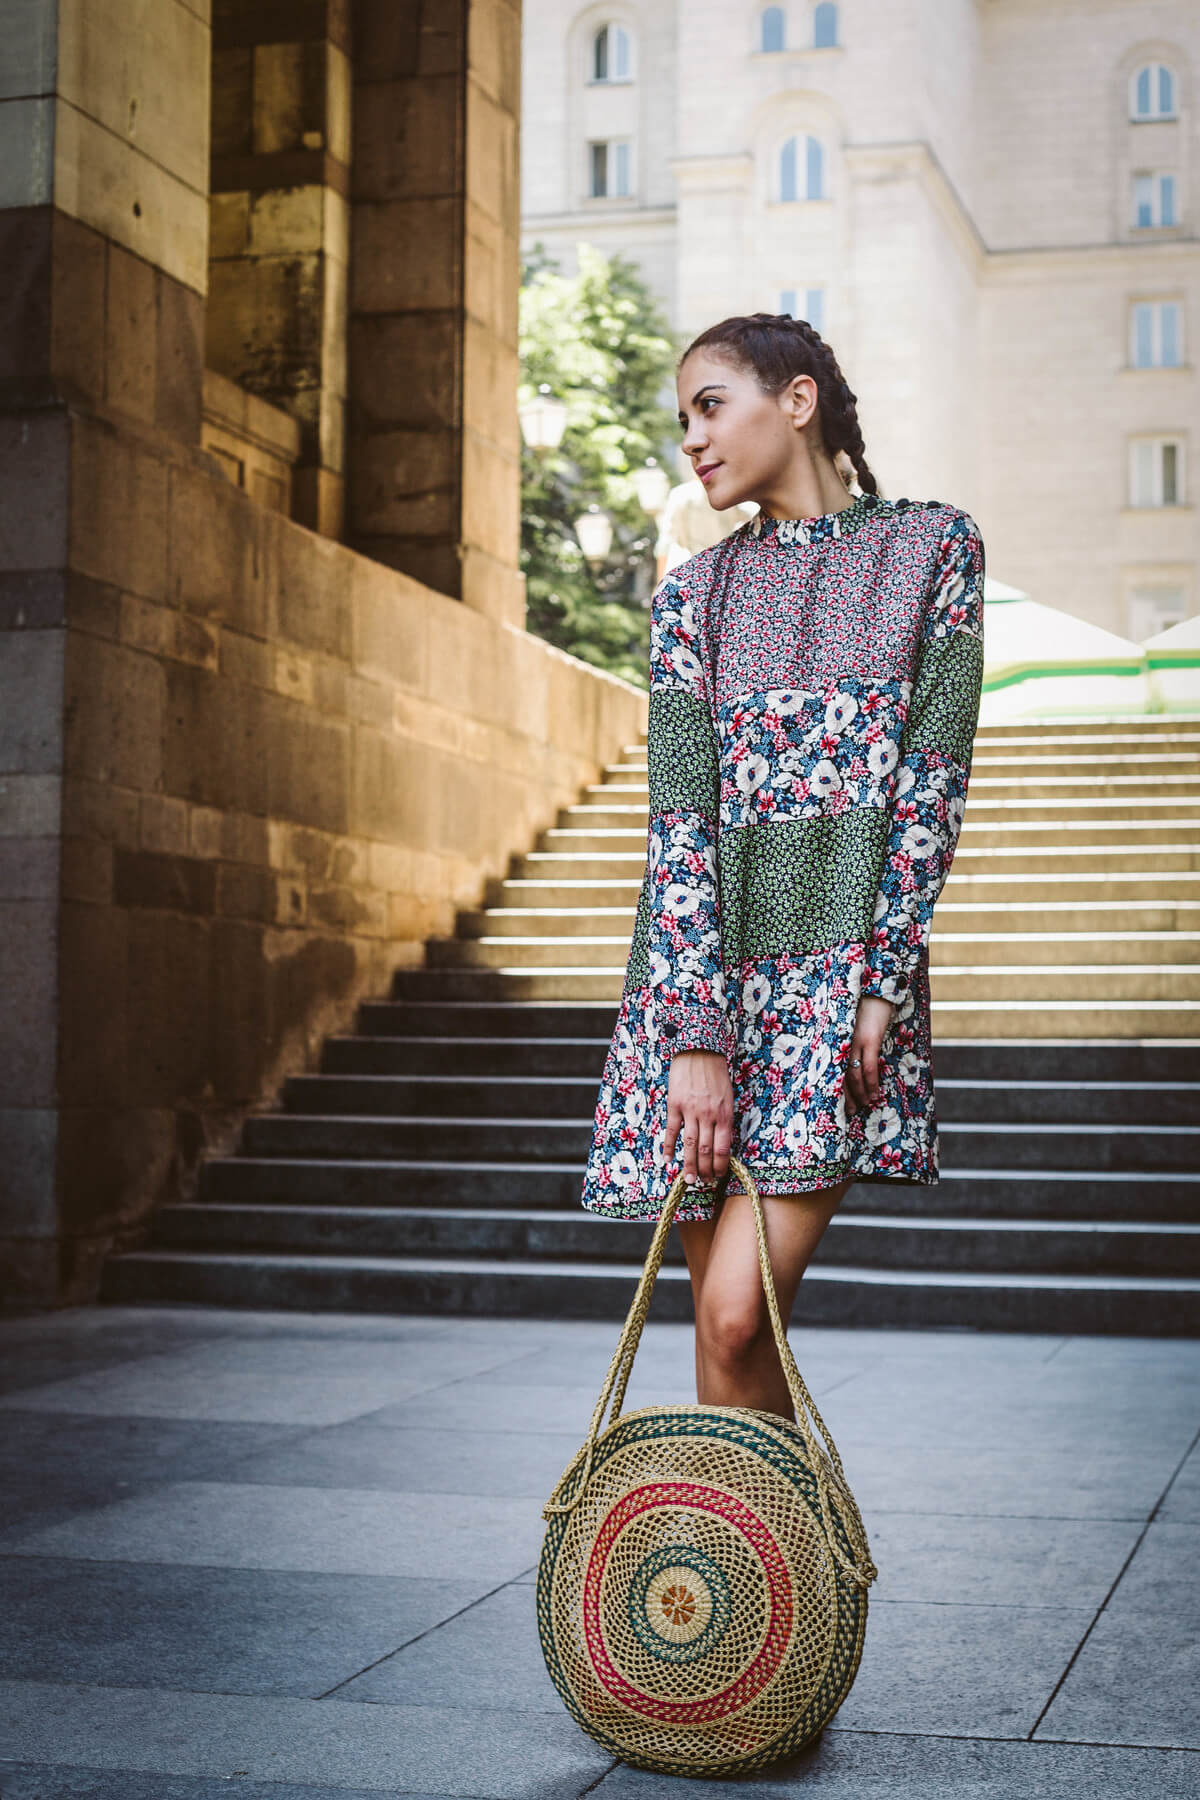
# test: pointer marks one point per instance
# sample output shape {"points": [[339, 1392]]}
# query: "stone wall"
{"points": [[269, 768]]}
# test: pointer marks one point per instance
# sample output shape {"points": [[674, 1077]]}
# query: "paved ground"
{"points": [[290, 1556]]}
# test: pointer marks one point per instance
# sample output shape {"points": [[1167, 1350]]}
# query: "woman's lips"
{"points": [[707, 473]]}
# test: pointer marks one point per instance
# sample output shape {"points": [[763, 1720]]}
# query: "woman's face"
{"points": [[741, 441]]}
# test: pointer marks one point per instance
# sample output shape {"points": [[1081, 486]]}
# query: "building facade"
{"points": [[988, 207]]}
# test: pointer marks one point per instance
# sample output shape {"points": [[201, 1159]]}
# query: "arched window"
{"points": [[825, 26], [814, 170], [771, 28], [611, 60], [1152, 92]]}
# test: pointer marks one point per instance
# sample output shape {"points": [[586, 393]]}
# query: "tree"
{"points": [[600, 342]]}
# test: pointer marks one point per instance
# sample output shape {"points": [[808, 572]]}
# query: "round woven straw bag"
{"points": [[702, 1590]]}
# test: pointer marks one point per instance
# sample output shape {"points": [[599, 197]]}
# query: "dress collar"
{"points": [[823, 525]]}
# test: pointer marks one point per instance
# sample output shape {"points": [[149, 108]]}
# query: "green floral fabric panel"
{"points": [[800, 885], [681, 755]]}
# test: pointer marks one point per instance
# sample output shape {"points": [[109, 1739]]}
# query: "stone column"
{"points": [[104, 109], [433, 462], [280, 225]]}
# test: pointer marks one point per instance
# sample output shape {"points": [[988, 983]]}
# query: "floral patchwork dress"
{"points": [[814, 695]]}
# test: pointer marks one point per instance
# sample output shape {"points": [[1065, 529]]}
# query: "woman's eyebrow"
{"points": [[718, 385]]}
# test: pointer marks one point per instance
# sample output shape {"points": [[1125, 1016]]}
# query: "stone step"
{"points": [[1083, 1195], [1148, 729], [500, 1035], [831, 1294], [857, 1240], [1077, 887], [1136, 810], [950, 947], [535, 1138], [1068, 859], [1022, 832], [1105, 991], [566, 1096], [1045, 776], [952, 917]]}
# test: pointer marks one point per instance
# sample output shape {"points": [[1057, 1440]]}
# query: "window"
{"points": [[610, 162], [771, 29], [610, 54], [814, 170], [1154, 608], [1153, 200], [1152, 93], [814, 305], [1156, 472], [1155, 334], [825, 27]]}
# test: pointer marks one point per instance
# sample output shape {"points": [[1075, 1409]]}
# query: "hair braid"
{"points": [[777, 348]]}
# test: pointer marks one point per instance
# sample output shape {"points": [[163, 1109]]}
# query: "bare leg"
{"points": [[737, 1363]]}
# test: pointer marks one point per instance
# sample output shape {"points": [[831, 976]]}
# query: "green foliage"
{"points": [[599, 341]]}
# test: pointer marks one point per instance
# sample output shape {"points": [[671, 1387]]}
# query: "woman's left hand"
{"points": [[862, 1082]]}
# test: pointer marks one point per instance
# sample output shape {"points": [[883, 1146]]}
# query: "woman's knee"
{"points": [[732, 1327]]}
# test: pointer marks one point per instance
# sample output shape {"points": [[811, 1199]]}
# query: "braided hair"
{"points": [[776, 348]]}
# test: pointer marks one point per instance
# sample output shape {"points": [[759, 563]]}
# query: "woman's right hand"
{"points": [[700, 1100]]}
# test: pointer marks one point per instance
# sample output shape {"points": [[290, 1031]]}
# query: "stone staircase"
{"points": [[434, 1163]]}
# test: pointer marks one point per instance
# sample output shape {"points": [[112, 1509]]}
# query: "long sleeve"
{"points": [[935, 762], [681, 891]]}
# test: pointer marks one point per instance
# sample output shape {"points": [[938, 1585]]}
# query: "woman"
{"points": [[814, 694]]}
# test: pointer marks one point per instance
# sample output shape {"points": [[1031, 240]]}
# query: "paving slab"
{"points": [[390, 1749], [1102, 1483], [33, 1781], [954, 1559], [244, 1631], [1182, 1500], [505, 1464], [845, 1765], [345, 1531], [488, 1656]]}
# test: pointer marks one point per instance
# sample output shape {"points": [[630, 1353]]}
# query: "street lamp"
{"points": [[594, 529], [651, 484], [543, 419]]}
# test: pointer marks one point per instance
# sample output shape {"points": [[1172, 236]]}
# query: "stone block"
{"points": [[433, 562], [405, 370], [406, 137], [27, 50], [493, 171], [131, 339], [494, 51], [26, 152], [308, 761], [33, 491], [100, 813], [179, 360], [393, 790], [118, 524], [93, 606], [87, 871], [29, 868], [28, 1018], [163, 631], [232, 99], [93, 1003], [28, 1272], [169, 1001], [31, 702], [319, 501], [25, 256], [32, 600], [115, 702], [391, 627], [216, 564], [311, 592], [131, 198], [392, 41], [338, 110], [228, 225], [77, 316], [163, 825], [28, 1155], [388, 494], [216, 743], [408, 255], [286, 221], [142, 73], [115, 1163], [491, 371], [491, 499], [279, 114], [242, 1041]]}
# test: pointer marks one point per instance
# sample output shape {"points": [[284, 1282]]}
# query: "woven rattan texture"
{"points": [[702, 1590]]}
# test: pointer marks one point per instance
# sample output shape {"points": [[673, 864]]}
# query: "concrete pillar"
{"points": [[104, 109], [433, 460], [280, 226]]}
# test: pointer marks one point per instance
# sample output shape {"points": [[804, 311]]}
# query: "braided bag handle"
{"points": [[823, 1456]]}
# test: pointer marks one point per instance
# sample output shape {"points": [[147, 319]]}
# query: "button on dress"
{"points": [[814, 696]]}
